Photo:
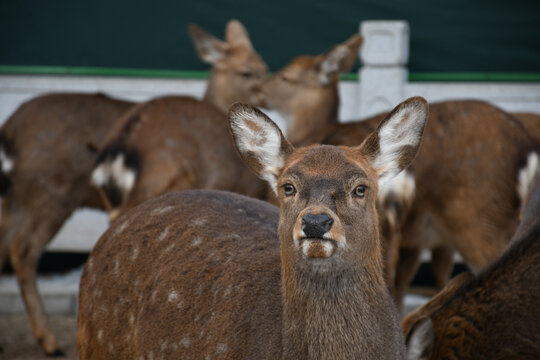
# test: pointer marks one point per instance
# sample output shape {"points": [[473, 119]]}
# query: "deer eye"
{"points": [[360, 191], [289, 189], [246, 74]]}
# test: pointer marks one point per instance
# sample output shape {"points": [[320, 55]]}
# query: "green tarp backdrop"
{"points": [[446, 36]]}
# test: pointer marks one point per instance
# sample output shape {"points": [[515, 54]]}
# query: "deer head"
{"points": [[305, 91], [327, 194], [237, 69]]}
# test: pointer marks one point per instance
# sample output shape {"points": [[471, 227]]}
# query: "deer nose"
{"points": [[315, 226]]}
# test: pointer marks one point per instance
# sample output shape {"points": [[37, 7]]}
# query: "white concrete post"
{"points": [[383, 74]]}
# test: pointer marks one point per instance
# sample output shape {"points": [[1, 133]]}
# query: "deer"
{"points": [[463, 191], [47, 151], [49, 148], [177, 142], [212, 274], [492, 315]]}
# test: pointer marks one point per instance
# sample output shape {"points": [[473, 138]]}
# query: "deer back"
{"points": [[195, 287], [56, 136], [172, 143]]}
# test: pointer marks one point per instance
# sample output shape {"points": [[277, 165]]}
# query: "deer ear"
{"points": [[236, 34], [395, 142], [340, 58], [420, 340], [209, 48], [259, 142]]}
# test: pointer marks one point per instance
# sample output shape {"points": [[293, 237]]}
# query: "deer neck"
{"points": [[330, 316], [215, 90], [313, 116]]}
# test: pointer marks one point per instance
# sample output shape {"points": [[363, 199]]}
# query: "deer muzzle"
{"points": [[318, 233]]}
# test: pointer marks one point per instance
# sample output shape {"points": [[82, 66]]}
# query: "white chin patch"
{"points": [[317, 248], [114, 171]]}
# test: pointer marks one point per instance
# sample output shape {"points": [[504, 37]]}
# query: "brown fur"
{"points": [[198, 273], [531, 123], [466, 172], [50, 136], [494, 315], [184, 143]]}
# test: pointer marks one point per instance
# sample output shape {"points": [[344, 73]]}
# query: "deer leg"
{"points": [[25, 251], [442, 264], [407, 265]]}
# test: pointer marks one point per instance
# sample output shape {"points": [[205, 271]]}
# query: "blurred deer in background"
{"points": [[49, 151], [47, 154], [493, 315], [464, 190], [177, 143], [197, 273]]}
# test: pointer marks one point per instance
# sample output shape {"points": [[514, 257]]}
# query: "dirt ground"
{"points": [[18, 343]]}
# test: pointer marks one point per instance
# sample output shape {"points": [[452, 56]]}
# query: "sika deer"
{"points": [[178, 143], [46, 158], [463, 190], [197, 273], [48, 153], [493, 315]]}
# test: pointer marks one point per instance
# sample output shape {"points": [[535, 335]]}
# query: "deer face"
{"points": [[237, 69], [309, 79], [327, 194]]}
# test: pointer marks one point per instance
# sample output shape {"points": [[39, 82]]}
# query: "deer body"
{"points": [[49, 153], [214, 274], [46, 161], [178, 143], [493, 315], [463, 191]]}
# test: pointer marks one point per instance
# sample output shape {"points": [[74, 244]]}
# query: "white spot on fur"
{"points": [[263, 141], [162, 210], [7, 162], [131, 319], [135, 253], [526, 176], [163, 345], [196, 241], [170, 247], [163, 234], [173, 295], [100, 335], [121, 228], [114, 170], [116, 266], [228, 291], [199, 221], [185, 342], [221, 348]]}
